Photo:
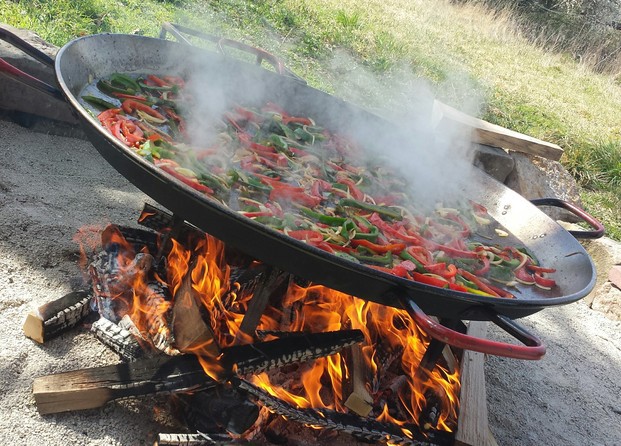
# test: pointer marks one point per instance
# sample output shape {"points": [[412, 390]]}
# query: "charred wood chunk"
{"points": [[112, 281], [198, 439], [54, 317], [119, 339], [222, 408]]}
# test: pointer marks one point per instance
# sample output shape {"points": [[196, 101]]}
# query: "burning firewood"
{"points": [[364, 428], [199, 439], [54, 317], [189, 328], [118, 338], [94, 387], [356, 397]]}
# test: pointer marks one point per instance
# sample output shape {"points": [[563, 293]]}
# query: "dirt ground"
{"points": [[51, 186]]}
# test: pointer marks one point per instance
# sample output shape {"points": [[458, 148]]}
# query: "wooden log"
{"points": [[202, 439], [473, 426], [54, 317], [119, 339], [94, 387], [356, 397], [190, 330], [484, 132], [272, 284]]}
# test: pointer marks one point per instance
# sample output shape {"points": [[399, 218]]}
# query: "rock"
{"points": [[535, 177], [16, 96], [614, 275], [606, 255], [494, 161], [607, 299]]}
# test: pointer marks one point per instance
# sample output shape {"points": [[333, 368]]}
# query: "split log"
{"points": [[355, 393], [119, 339], [190, 329], [272, 284], [54, 317], [484, 132], [94, 387]]}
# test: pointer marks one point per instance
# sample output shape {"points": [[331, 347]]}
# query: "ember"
{"points": [[204, 299]]}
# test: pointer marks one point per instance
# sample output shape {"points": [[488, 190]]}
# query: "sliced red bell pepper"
{"points": [[189, 181], [486, 288], [379, 249], [129, 105], [429, 280], [295, 196], [539, 269], [356, 193], [543, 282], [306, 235]]}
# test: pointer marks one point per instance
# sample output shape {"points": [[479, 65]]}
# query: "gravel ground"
{"points": [[51, 186]]}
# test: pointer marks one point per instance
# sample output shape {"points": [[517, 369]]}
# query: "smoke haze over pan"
{"points": [[432, 155]]}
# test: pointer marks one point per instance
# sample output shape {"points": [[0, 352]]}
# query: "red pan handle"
{"points": [[598, 228], [532, 349], [21, 76]]}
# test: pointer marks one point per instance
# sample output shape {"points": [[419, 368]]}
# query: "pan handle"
{"points": [[532, 349], [22, 76], [261, 55], [598, 228]]}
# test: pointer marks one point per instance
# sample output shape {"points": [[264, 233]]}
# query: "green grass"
{"points": [[474, 58]]}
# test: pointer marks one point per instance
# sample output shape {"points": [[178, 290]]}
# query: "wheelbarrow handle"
{"points": [[532, 349], [22, 76], [598, 227]]}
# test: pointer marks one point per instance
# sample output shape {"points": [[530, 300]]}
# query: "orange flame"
{"points": [[388, 333]]}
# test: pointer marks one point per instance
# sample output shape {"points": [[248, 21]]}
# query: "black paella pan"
{"points": [[92, 57]]}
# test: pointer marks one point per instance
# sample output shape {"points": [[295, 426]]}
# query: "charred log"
{"points": [[271, 285], [55, 317], [117, 338], [94, 387], [198, 439], [255, 358], [364, 428]]}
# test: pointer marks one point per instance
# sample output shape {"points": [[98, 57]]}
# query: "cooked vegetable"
{"points": [[296, 177]]}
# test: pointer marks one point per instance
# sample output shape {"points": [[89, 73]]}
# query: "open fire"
{"points": [[189, 294]]}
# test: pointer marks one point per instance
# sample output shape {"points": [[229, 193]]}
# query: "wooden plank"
{"points": [[473, 426], [484, 132]]}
